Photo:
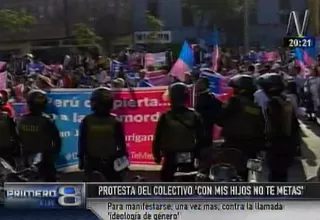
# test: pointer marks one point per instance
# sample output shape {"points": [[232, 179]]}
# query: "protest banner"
{"points": [[139, 109]]}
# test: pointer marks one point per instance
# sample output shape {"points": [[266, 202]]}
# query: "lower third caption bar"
{"points": [[179, 210]]}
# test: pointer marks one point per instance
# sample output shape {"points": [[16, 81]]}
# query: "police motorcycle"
{"points": [[120, 165], [9, 174], [226, 165], [186, 167]]}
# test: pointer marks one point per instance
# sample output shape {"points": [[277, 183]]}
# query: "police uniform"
{"points": [[101, 139], [242, 120], [178, 130], [39, 135], [282, 129], [243, 126], [9, 145]]}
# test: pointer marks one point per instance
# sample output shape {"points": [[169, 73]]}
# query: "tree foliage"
{"points": [[85, 34], [218, 11], [15, 21], [153, 23]]}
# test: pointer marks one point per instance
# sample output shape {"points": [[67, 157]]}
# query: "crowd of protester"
{"points": [[90, 72]]}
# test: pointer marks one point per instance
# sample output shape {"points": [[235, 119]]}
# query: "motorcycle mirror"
{"points": [[6, 166]]}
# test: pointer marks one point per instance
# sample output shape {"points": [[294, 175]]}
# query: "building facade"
{"points": [[267, 19]]}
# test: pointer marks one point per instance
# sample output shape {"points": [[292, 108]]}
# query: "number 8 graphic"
{"points": [[75, 196]]}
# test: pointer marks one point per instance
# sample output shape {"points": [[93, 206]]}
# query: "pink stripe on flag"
{"points": [[179, 68], [18, 90], [162, 80], [3, 80], [155, 73], [307, 59], [2, 64], [303, 67]]}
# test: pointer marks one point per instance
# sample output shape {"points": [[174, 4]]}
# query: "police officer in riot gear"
{"points": [[39, 135], [242, 120], [9, 145], [179, 131], [208, 106], [282, 128], [101, 138]]}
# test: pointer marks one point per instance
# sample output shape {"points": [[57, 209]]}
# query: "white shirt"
{"points": [[294, 101], [261, 99]]}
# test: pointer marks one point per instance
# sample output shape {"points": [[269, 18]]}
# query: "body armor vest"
{"points": [[34, 135], [180, 132], [5, 137], [101, 141]]}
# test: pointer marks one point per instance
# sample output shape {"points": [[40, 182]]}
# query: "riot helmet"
{"points": [[178, 94], [242, 84], [101, 100], [37, 100], [272, 84]]}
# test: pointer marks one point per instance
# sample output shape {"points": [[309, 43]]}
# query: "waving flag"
{"points": [[158, 78], [144, 84], [2, 64], [184, 62], [163, 80], [217, 83], [215, 51], [298, 52], [309, 55], [155, 59], [115, 68], [155, 73], [36, 68]]}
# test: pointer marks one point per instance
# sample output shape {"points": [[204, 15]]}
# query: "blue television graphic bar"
{"points": [[44, 195], [206, 191]]}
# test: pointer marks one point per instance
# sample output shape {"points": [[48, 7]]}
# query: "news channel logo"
{"points": [[44, 195]]}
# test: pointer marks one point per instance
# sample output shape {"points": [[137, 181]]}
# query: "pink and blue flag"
{"points": [[309, 56], [215, 51], [298, 52], [217, 83], [184, 62]]}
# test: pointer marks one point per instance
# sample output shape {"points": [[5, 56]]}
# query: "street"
{"points": [[304, 168], [309, 166]]}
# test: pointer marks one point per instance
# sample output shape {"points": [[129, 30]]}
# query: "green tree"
{"points": [[85, 34], [154, 25], [15, 21], [221, 14]]}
